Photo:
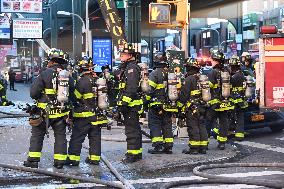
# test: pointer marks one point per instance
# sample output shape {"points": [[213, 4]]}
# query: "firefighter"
{"points": [[247, 62], [88, 118], [112, 92], [220, 106], [45, 90], [159, 117], [3, 90], [129, 102], [238, 96], [194, 107]]}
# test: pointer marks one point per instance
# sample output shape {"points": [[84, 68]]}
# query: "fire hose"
{"points": [[215, 179]]}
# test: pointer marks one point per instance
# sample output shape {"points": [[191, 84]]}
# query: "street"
{"points": [[260, 146]]}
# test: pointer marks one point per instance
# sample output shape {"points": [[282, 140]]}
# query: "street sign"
{"points": [[5, 31], [102, 53], [120, 4], [239, 38], [159, 13]]}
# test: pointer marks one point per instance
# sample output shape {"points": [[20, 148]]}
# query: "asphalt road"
{"points": [[260, 146]]}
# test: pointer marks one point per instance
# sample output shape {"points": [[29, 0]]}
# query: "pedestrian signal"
{"points": [[159, 13]]}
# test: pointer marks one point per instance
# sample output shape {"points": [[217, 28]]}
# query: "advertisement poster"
{"points": [[102, 53], [21, 6], [5, 31], [27, 29]]}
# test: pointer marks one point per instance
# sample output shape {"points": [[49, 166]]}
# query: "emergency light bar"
{"points": [[271, 29]]}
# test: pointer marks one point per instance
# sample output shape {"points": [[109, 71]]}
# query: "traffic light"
{"points": [[182, 14], [159, 13]]}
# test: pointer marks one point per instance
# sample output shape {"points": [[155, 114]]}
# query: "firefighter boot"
{"points": [[158, 149], [167, 150], [92, 162], [131, 158], [221, 146], [203, 150], [58, 164], [71, 162], [192, 151], [31, 164]]}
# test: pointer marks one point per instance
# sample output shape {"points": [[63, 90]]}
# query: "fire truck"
{"points": [[270, 79]]}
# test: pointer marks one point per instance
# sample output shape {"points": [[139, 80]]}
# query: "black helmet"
{"points": [[58, 56], [105, 67], [86, 65], [235, 61], [217, 55], [127, 48], [160, 59], [192, 62]]}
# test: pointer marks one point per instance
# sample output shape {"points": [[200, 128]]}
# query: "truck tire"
{"points": [[276, 129]]}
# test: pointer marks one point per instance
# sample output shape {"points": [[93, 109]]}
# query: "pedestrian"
{"points": [[159, 116], [220, 106], [55, 113], [12, 79], [194, 108], [88, 118], [247, 67], [130, 103]]}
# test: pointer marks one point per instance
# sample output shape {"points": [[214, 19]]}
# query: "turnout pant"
{"points": [[60, 145], [133, 131], [223, 118], [198, 137], [160, 128], [239, 132], [82, 128]]}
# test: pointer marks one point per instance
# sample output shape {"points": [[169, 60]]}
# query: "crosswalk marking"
{"points": [[164, 180], [262, 146]]}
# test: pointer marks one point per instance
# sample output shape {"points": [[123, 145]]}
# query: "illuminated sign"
{"points": [[160, 13], [27, 29]]}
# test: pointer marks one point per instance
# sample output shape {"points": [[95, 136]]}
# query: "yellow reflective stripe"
{"points": [[171, 110], [221, 139], [240, 135], [100, 122], [216, 130], [4, 97], [169, 140], [152, 83], [58, 115], [77, 94], [214, 101], [148, 97], [135, 152], [49, 91], [4, 103], [239, 100], [179, 104], [204, 143], [195, 92], [88, 95], [41, 105], [35, 154], [245, 105], [121, 85], [84, 114], [126, 99], [160, 86], [74, 157], [136, 103], [94, 158], [157, 139], [213, 86], [194, 143], [188, 104], [237, 89], [1, 87], [60, 157], [154, 103]]}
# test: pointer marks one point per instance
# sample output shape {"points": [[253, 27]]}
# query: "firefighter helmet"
{"points": [[217, 55], [160, 59], [235, 61], [192, 62], [247, 56], [86, 65], [57, 56], [127, 48]]}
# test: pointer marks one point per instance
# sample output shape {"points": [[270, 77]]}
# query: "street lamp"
{"points": [[84, 30], [219, 36]]}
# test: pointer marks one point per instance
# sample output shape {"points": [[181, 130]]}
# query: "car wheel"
{"points": [[276, 129]]}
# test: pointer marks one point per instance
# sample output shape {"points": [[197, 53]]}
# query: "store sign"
{"points": [[5, 30], [250, 20], [113, 21], [21, 6], [102, 53], [27, 29]]}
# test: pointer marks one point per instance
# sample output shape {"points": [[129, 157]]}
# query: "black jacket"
{"points": [[157, 81]]}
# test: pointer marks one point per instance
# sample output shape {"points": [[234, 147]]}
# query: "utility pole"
{"points": [[133, 23], [77, 29], [53, 24]]}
